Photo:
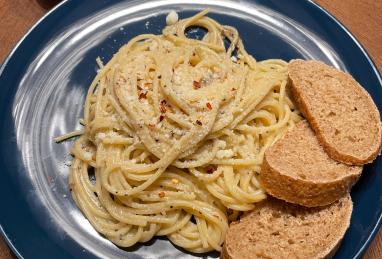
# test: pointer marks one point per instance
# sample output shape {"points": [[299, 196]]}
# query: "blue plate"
{"points": [[43, 86]]}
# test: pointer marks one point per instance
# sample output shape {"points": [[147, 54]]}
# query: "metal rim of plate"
{"points": [[186, 5]]}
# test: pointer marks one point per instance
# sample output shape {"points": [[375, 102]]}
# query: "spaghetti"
{"points": [[175, 131]]}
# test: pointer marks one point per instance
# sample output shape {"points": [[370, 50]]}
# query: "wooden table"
{"points": [[363, 18]]}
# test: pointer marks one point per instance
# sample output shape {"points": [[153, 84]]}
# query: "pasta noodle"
{"points": [[175, 131]]}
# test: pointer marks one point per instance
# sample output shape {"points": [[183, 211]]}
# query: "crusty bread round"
{"points": [[276, 229], [298, 170], [340, 111]]}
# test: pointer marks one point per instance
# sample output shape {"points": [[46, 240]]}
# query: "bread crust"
{"points": [[224, 253], [240, 242], [308, 107]]}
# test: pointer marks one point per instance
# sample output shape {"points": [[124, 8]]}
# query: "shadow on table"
{"points": [[47, 4]]}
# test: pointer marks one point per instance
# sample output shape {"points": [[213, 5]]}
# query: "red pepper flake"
{"points": [[210, 170], [161, 195], [209, 106], [162, 108], [199, 122], [161, 118], [163, 102], [50, 180], [143, 95], [233, 89], [196, 84]]}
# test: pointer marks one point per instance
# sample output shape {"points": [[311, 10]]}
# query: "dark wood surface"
{"points": [[362, 18]]}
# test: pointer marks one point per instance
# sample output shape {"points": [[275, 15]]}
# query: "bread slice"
{"points": [[298, 170], [276, 229], [340, 111]]}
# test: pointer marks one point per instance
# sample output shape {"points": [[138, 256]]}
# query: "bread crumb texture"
{"points": [[339, 109], [276, 229], [301, 156], [298, 170]]}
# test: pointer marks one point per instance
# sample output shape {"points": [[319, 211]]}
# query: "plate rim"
{"points": [[2, 67], [316, 6]]}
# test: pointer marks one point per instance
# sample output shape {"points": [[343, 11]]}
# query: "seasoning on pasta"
{"points": [[175, 131]]}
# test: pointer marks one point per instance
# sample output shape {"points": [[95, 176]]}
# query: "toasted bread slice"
{"points": [[340, 111], [298, 170], [276, 229]]}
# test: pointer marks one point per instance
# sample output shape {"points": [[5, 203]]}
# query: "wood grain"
{"points": [[362, 18], [17, 18]]}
